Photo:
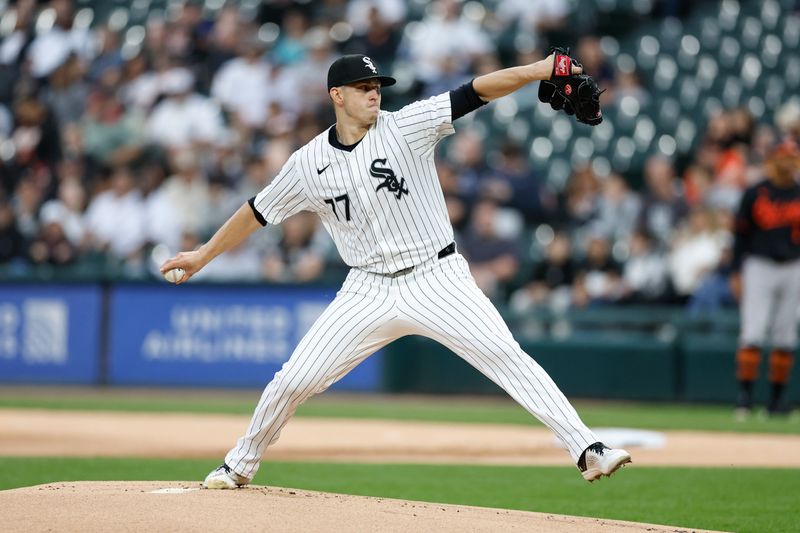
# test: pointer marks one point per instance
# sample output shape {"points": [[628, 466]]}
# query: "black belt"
{"points": [[450, 249]]}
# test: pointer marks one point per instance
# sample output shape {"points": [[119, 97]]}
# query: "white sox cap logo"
{"points": [[369, 64]]}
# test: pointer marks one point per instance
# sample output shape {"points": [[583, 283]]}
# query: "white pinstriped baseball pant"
{"points": [[438, 299]]}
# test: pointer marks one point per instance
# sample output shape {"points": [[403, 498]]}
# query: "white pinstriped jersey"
{"points": [[381, 202]]}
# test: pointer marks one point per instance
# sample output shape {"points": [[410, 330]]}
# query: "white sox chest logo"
{"points": [[389, 178]]}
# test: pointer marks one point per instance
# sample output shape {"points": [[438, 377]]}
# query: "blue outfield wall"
{"points": [[151, 334], [50, 333], [201, 335]]}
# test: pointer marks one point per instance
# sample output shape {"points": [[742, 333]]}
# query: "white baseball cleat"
{"points": [[599, 460], [223, 477]]}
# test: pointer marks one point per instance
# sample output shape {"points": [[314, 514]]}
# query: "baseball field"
{"points": [[126, 459]]}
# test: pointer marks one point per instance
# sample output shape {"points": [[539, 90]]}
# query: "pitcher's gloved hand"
{"points": [[576, 94]]}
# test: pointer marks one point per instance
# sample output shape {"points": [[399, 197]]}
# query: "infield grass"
{"points": [[500, 410], [744, 499]]}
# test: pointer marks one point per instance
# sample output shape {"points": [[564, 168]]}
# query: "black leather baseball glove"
{"points": [[576, 94]]}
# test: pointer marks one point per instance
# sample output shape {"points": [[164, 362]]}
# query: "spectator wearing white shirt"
{"points": [[534, 18], [188, 192], [51, 48], [13, 43], [696, 252], [162, 220], [310, 74], [644, 274], [244, 84], [392, 12], [445, 39], [67, 211], [617, 209], [184, 119], [115, 219]]}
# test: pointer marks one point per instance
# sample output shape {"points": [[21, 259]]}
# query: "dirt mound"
{"points": [[183, 506]]}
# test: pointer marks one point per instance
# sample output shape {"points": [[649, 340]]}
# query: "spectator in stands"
{"points": [[11, 240], [253, 180], [715, 290], [644, 274], [141, 81], [35, 137], [493, 260], [696, 251], [617, 209], [221, 203], [787, 118], [551, 278], [310, 74], [184, 119], [599, 276], [6, 122], [289, 48], [67, 210], [361, 14], [299, 256], [115, 218], [163, 223], [627, 84], [697, 182], [108, 62], [14, 46], [51, 246], [444, 38], [534, 18], [223, 38], [245, 86], [241, 263], [111, 134], [513, 183], [67, 92], [379, 38], [579, 202], [468, 156], [730, 134], [188, 192], [26, 202], [53, 46], [454, 199], [595, 62], [663, 206]]}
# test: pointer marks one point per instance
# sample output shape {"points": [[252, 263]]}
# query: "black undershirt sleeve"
{"points": [[464, 100], [259, 216]]}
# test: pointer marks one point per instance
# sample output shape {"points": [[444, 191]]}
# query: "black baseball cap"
{"points": [[355, 67]]}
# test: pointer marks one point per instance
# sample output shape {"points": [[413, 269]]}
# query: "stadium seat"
{"points": [[666, 72], [689, 52], [729, 52], [750, 30]]}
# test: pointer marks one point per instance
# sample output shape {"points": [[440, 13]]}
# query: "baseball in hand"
{"points": [[174, 275]]}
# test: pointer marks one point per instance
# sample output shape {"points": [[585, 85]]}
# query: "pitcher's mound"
{"points": [[183, 506]]}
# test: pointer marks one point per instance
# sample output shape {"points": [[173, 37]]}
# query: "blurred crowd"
{"points": [[122, 144]]}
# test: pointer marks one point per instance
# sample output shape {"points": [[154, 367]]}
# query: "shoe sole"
{"points": [[219, 484], [595, 473]]}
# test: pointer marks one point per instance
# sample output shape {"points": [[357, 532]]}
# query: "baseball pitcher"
{"points": [[371, 178]]}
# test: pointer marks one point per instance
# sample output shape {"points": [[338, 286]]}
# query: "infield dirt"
{"points": [[32, 432], [133, 506]]}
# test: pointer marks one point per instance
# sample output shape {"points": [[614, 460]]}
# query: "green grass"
{"points": [[445, 409], [757, 500]]}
